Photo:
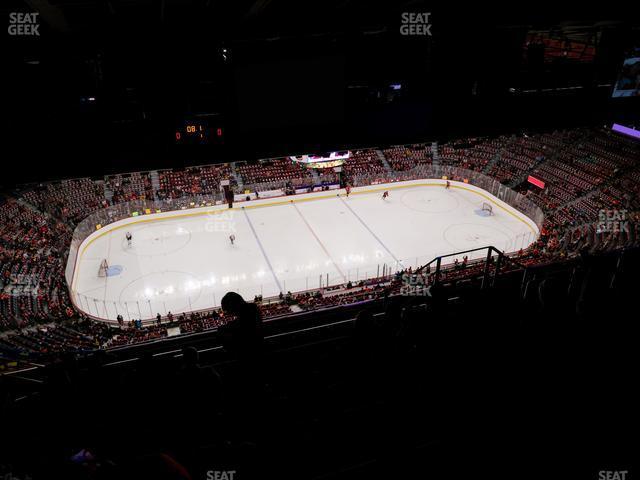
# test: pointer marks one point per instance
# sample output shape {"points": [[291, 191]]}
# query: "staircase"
{"points": [[498, 156], [155, 182], [435, 154], [316, 178], [383, 159], [495, 159], [584, 196], [108, 193], [237, 176], [35, 209], [518, 180]]}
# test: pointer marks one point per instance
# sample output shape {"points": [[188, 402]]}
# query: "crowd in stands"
{"points": [[133, 186], [275, 170], [350, 295], [583, 180], [68, 200], [274, 309], [79, 336], [406, 157], [328, 177], [581, 167], [203, 180], [33, 249], [472, 153], [363, 162], [586, 172]]}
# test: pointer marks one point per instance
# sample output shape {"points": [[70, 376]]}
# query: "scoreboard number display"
{"points": [[199, 132]]}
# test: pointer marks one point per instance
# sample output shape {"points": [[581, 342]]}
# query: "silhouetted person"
{"points": [[243, 335]]}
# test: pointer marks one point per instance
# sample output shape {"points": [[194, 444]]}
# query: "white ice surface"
{"points": [[188, 263]]}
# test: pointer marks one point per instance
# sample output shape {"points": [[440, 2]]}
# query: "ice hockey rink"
{"points": [[183, 261]]}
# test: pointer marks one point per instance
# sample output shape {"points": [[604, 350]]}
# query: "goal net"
{"points": [[104, 268], [487, 209]]}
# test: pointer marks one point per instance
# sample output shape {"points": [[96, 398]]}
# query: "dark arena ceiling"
{"points": [[118, 79]]}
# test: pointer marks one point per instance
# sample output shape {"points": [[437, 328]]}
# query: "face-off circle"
{"points": [[430, 200], [153, 240]]}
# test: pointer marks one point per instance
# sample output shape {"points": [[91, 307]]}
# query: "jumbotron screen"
{"points": [[323, 160], [628, 83]]}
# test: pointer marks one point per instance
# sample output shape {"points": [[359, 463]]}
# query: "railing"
{"points": [[493, 258]]}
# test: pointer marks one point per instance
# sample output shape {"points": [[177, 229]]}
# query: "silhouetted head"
{"points": [[232, 303]]}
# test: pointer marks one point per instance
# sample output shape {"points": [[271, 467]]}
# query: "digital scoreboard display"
{"points": [[199, 132], [628, 83], [323, 160]]}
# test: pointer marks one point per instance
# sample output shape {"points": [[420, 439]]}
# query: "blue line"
{"points": [[371, 232], [264, 254]]}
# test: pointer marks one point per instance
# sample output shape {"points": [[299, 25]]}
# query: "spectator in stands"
{"points": [[243, 336]]}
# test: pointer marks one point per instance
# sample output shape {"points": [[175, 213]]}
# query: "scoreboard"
{"points": [[200, 132], [323, 160]]}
